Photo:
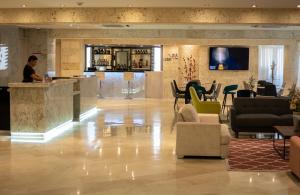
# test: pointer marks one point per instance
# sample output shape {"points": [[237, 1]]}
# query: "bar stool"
{"points": [[128, 76], [230, 89], [101, 77]]}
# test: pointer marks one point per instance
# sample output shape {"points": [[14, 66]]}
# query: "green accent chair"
{"points": [[228, 90], [204, 106]]}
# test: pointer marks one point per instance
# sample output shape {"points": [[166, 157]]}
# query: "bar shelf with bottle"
{"points": [[111, 58]]}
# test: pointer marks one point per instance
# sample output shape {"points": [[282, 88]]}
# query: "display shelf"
{"points": [[138, 58]]}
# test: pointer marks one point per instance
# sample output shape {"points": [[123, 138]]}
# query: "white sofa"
{"points": [[200, 134]]}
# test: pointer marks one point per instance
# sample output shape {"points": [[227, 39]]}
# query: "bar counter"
{"points": [[39, 109], [115, 86]]}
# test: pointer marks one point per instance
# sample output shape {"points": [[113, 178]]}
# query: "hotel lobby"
{"points": [[150, 97]]}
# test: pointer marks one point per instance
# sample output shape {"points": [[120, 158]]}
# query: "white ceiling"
{"points": [[151, 3], [163, 26]]}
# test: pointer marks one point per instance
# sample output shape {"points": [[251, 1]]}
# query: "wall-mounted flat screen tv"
{"points": [[228, 58]]}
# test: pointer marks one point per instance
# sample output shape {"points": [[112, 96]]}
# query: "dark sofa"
{"points": [[260, 114]]}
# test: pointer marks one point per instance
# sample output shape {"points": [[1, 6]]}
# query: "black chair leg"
{"points": [[232, 97], [236, 134], [224, 103], [175, 103]]}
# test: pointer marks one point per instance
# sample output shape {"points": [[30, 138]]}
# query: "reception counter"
{"points": [[38, 110], [85, 101]]}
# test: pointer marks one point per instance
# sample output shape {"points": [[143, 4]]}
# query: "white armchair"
{"points": [[203, 137]]}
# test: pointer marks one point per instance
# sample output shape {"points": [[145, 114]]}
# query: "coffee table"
{"points": [[286, 132]]}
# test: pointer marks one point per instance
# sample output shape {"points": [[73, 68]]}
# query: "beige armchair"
{"points": [[201, 134], [294, 155]]}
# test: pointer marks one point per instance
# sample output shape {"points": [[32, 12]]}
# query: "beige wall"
{"points": [[22, 43], [71, 58], [201, 54]]}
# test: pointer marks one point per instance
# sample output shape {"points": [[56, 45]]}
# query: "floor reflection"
{"points": [[127, 148]]}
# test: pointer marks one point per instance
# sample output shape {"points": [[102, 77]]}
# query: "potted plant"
{"points": [[251, 82], [295, 102], [295, 107]]}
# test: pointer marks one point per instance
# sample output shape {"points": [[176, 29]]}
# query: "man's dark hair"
{"points": [[32, 58]]}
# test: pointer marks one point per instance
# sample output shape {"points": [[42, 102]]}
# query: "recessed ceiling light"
{"points": [[253, 6], [24, 5], [298, 6]]}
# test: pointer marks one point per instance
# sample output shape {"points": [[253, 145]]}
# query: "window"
{"points": [[88, 58], [3, 57], [271, 60], [157, 59]]}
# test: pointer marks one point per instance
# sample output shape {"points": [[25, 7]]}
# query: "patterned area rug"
{"points": [[255, 155]]}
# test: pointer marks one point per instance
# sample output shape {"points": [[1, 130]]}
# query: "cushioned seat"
{"points": [[284, 119], [294, 155], [256, 120], [204, 136], [225, 135]]}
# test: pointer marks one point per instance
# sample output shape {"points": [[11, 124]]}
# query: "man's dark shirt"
{"points": [[27, 72]]}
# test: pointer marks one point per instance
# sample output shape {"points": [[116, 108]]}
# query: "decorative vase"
{"points": [[296, 122]]}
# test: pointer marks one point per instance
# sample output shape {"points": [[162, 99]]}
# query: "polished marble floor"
{"points": [[127, 148]]}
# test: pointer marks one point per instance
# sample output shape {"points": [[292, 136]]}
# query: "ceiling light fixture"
{"points": [[253, 6], [298, 6], [62, 5], [24, 5]]}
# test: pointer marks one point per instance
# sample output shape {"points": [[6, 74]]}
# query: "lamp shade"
{"points": [[128, 76], [100, 75]]}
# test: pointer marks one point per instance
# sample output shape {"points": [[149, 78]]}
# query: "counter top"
{"points": [[41, 84], [83, 77], [121, 71]]}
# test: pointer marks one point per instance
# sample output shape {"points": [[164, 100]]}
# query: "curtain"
{"points": [[271, 55], [298, 61]]}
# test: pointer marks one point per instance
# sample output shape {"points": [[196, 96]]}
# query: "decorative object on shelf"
{"points": [[251, 82], [189, 70]]}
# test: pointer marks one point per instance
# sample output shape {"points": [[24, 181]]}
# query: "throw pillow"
{"points": [[189, 113]]}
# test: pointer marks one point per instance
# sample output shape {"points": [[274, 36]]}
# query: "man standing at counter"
{"points": [[29, 74]]}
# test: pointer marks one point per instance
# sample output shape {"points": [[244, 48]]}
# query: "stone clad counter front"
{"points": [[38, 109], [114, 85], [85, 101]]}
